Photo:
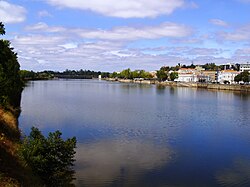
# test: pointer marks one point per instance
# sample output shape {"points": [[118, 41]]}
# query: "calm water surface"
{"points": [[144, 135]]}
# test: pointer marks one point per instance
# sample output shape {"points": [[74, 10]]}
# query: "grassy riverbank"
{"points": [[13, 171]]}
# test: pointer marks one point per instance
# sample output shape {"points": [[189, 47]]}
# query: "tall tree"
{"points": [[10, 82]]}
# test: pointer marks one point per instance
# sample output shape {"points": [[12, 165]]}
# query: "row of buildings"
{"points": [[199, 74]]}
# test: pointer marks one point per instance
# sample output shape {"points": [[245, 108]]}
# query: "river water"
{"points": [[132, 135]]}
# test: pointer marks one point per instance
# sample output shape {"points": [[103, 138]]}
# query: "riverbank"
{"points": [[13, 171], [229, 87]]}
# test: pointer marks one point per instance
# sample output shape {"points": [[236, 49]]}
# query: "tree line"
{"points": [[70, 74], [128, 74]]}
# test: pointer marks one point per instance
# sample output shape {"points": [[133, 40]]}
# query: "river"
{"points": [[132, 135]]}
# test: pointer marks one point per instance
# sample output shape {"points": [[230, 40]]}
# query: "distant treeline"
{"points": [[128, 74], [164, 73], [67, 74]]}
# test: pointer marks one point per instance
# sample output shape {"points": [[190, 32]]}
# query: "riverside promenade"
{"points": [[210, 86]]}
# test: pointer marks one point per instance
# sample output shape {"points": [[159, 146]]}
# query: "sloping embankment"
{"points": [[13, 172]]}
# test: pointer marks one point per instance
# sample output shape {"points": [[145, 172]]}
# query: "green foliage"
{"points": [[27, 75], [105, 74], [243, 76], [238, 78], [210, 66], [141, 74], [173, 76], [165, 68], [68, 74], [175, 68], [50, 158], [81, 74], [114, 75], [10, 82], [2, 29], [128, 74], [162, 75]]}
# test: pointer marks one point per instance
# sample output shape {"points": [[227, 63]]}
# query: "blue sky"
{"points": [[111, 35]]}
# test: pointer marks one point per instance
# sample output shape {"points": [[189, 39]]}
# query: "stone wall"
{"points": [[230, 87]]}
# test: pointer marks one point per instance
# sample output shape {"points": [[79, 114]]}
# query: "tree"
{"points": [[238, 78], [126, 74], [27, 75], [173, 76], [192, 65], [162, 75], [165, 68], [175, 68], [10, 82], [243, 76], [2, 29], [50, 158], [114, 75], [210, 66]]}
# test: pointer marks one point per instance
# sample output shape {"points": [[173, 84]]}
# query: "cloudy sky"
{"points": [[111, 35]]}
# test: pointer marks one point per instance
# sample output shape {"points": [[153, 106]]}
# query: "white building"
{"points": [[187, 75], [227, 76], [244, 67], [187, 78]]}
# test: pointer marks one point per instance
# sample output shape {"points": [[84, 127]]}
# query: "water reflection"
{"points": [[237, 175], [123, 161], [114, 124], [160, 89]]}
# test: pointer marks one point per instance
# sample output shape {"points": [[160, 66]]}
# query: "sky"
{"points": [[112, 35]]}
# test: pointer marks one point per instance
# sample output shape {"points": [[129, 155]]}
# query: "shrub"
{"points": [[50, 158]]}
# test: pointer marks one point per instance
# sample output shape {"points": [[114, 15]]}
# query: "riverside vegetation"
{"points": [[35, 160]]}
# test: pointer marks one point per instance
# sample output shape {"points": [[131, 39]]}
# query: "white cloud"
{"points": [[120, 53], [218, 22], [124, 8], [240, 34], [11, 13], [60, 48], [171, 30], [43, 27], [204, 51], [165, 30], [243, 52], [59, 52], [38, 40], [69, 45], [44, 13]]}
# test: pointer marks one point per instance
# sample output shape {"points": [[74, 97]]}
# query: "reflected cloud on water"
{"points": [[109, 118], [103, 163], [237, 175]]}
